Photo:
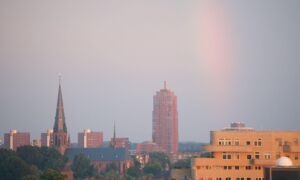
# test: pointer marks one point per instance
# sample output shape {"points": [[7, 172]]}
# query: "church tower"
{"points": [[61, 140]]}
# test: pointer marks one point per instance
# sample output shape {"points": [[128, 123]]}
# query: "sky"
{"points": [[227, 61]]}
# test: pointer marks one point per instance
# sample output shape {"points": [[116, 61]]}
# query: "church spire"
{"points": [[113, 142], [61, 141], [60, 124]]}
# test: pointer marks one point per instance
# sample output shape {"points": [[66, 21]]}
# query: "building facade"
{"points": [[146, 147], [61, 140], [90, 139], [15, 139], [241, 153], [102, 157], [47, 138], [165, 120]]}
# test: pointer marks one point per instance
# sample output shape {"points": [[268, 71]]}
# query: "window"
{"points": [[236, 167], [236, 142], [248, 143], [229, 167], [221, 142], [237, 156], [225, 167], [248, 167], [256, 155], [248, 178], [259, 143], [267, 156], [228, 178], [257, 168], [249, 156], [219, 178], [226, 155], [296, 156]]}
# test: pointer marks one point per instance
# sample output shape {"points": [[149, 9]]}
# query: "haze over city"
{"points": [[225, 61]]}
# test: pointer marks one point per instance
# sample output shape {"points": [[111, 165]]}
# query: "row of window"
{"points": [[236, 142], [238, 178], [225, 155], [238, 167], [231, 167]]}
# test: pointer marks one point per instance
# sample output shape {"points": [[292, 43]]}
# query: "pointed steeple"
{"points": [[113, 142], [61, 141], [60, 123]]}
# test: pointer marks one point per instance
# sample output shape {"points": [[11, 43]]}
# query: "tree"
{"points": [[11, 166], [153, 168], [82, 167], [133, 172], [44, 158], [51, 174], [160, 158]]}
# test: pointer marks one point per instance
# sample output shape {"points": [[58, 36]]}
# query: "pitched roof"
{"points": [[100, 154]]}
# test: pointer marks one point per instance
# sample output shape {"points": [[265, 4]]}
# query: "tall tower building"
{"points": [[165, 120], [60, 135]]}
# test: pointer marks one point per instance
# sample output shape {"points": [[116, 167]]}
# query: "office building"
{"points": [[165, 120], [47, 138], [241, 153], [15, 139], [90, 139]]}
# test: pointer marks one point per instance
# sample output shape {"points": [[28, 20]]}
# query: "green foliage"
{"points": [[133, 172], [182, 164], [11, 166], [51, 174], [44, 157], [82, 167], [155, 169], [160, 158]]}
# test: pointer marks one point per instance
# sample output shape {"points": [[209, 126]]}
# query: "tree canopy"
{"points": [[82, 167]]}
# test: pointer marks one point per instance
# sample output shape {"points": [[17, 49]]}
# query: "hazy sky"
{"points": [[227, 61]]}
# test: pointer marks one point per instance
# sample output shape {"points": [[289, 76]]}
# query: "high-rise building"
{"points": [[15, 139], [90, 139], [47, 138], [165, 120], [61, 140], [241, 153]]}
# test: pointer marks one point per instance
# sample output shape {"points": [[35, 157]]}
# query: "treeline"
{"points": [[31, 163]]}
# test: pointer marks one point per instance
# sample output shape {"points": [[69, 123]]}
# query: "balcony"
{"points": [[218, 148]]}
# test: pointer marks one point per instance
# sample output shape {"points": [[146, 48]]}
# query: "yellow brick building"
{"points": [[240, 153]]}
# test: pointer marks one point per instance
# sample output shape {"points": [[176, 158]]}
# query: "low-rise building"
{"points": [[241, 153], [147, 147]]}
